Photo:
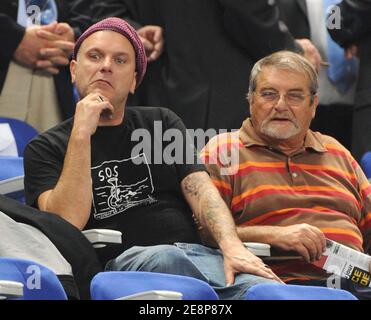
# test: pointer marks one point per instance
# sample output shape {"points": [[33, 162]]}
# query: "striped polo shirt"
{"points": [[321, 185]]}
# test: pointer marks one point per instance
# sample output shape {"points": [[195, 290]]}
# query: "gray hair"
{"points": [[285, 60]]}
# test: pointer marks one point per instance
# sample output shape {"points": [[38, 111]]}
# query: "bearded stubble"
{"points": [[279, 131]]}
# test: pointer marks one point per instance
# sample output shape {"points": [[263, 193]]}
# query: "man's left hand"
{"points": [[60, 37], [153, 41], [243, 261]]}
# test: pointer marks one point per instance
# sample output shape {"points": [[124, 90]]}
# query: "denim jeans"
{"points": [[192, 260]]}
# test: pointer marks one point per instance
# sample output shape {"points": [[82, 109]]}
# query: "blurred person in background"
{"points": [[37, 38]]}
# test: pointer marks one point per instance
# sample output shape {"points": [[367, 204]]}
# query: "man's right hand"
{"points": [[303, 238], [88, 113]]}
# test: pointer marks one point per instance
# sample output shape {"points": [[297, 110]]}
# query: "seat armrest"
{"points": [[11, 185], [258, 248], [154, 295], [10, 289], [100, 238]]}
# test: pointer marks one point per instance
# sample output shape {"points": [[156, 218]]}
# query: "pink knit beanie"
{"points": [[122, 27]]}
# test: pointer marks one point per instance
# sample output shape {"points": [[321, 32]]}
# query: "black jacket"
{"points": [[210, 48], [356, 29], [76, 13], [295, 14], [70, 242]]}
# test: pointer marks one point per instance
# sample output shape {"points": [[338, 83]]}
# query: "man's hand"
{"points": [[60, 38], [351, 51], [153, 41], [212, 213], [88, 112], [311, 52], [46, 47], [28, 50], [241, 260], [303, 238]]}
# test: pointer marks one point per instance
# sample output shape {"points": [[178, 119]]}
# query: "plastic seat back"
{"points": [[117, 284], [22, 131], [270, 291], [366, 164], [39, 282]]}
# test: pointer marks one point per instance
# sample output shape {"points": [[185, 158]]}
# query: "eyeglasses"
{"points": [[291, 98]]}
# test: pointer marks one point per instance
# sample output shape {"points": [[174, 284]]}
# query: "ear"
{"points": [[250, 100], [314, 105], [133, 84], [73, 70]]}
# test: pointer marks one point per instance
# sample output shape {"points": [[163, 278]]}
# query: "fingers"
{"points": [[47, 35], [47, 66], [104, 104], [52, 62], [253, 265], [52, 71], [153, 41], [89, 112], [147, 44], [156, 53], [55, 56], [229, 277], [318, 243], [350, 52], [66, 46], [50, 27], [265, 272], [311, 243], [62, 28], [311, 52], [94, 105]]}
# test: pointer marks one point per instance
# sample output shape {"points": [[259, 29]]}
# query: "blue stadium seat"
{"points": [[39, 282], [22, 131], [11, 177], [366, 164], [270, 291], [117, 284], [11, 167]]}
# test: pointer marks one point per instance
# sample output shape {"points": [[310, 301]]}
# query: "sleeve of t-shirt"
{"points": [[180, 146], [42, 169], [214, 157]]}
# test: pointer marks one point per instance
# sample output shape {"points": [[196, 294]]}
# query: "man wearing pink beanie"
{"points": [[92, 171]]}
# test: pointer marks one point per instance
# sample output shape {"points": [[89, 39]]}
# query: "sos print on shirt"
{"points": [[121, 184]]}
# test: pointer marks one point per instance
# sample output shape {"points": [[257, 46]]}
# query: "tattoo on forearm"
{"points": [[212, 208], [192, 185]]}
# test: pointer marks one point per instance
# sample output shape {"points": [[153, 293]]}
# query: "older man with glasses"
{"points": [[286, 185]]}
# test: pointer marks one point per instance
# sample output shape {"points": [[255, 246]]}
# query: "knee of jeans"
{"points": [[160, 258], [164, 257]]}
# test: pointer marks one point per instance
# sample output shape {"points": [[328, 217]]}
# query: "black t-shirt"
{"points": [[144, 201]]}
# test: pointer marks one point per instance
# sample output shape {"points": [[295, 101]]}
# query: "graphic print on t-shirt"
{"points": [[119, 185]]}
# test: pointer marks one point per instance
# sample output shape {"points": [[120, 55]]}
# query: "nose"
{"points": [[106, 65], [281, 104]]}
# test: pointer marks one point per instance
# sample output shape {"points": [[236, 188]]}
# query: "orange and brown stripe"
{"points": [[322, 185]]}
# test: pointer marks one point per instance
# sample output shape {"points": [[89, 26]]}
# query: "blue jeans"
{"points": [[192, 260]]}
